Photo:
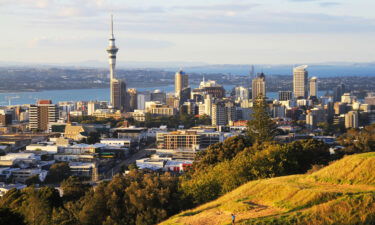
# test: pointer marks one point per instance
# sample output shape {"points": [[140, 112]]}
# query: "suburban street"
{"points": [[117, 168]]}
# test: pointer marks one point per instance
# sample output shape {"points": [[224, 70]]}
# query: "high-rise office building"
{"points": [[251, 75], [5, 117], [348, 98], [172, 101], [41, 114], [181, 82], [223, 113], [159, 96], [117, 87], [370, 98], [92, 107], [119, 95], [285, 95], [315, 116], [338, 92], [219, 114], [184, 95], [340, 108], [241, 93], [300, 75], [132, 94], [208, 105], [351, 119], [259, 86], [314, 87], [142, 98], [210, 88]]}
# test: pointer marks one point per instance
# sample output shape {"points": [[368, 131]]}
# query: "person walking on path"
{"points": [[233, 218]]}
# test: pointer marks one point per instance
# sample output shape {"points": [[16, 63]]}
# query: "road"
{"points": [[117, 169]]}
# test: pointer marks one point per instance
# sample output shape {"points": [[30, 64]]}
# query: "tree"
{"points": [[94, 137], [38, 205], [138, 198], [204, 120], [9, 217], [357, 141], [261, 127], [58, 172], [73, 189], [61, 216], [33, 180], [221, 151]]}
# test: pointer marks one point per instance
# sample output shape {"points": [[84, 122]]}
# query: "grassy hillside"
{"points": [[342, 193]]}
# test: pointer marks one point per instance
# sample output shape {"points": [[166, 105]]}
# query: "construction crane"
{"points": [[9, 98]]}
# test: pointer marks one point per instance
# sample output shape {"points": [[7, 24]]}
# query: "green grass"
{"points": [[341, 193]]}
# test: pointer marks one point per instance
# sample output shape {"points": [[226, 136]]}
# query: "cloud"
{"points": [[218, 7], [216, 22], [89, 42], [134, 43], [303, 0], [237, 17], [69, 11], [28, 3], [329, 4], [322, 4]]}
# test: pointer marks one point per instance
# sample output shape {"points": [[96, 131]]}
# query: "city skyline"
{"points": [[258, 31]]}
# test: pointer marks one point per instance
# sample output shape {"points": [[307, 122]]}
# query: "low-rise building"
{"points": [[22, 160], [84, 170], [162, 110], [178, 165], [139, 115], [78, 132], [136, 134], [123, 142], [152, 164], [49, 148], [4, 188], [21, 175], [106, 113], [186, 143]]}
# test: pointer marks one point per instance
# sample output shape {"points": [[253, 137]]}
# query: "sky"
{"points": [[209, 31]]}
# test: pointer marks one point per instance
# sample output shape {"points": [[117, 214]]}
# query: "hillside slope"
{"points": [[342, 193]]}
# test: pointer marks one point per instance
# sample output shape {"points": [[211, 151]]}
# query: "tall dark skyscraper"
{"points": [[251, 75], [338, 92]]}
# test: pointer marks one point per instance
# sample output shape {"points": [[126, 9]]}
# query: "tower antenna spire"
{"points": [[112, 25]]}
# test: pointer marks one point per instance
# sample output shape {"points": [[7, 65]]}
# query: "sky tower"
{"points": [[117, 87], [112, 51]]}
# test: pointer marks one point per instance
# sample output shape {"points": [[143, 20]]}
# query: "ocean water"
{"points": [[100, 94]]}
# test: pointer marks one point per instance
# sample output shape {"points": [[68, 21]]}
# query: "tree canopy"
{"points": [[358, 141], [261, 127], [58, 172]]}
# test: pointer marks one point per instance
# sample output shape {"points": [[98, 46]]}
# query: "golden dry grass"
{"points": [[335, 194]]}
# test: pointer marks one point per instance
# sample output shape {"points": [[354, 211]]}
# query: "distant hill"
{"points": [[329, 69], [320, 70], [341, 193]]}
